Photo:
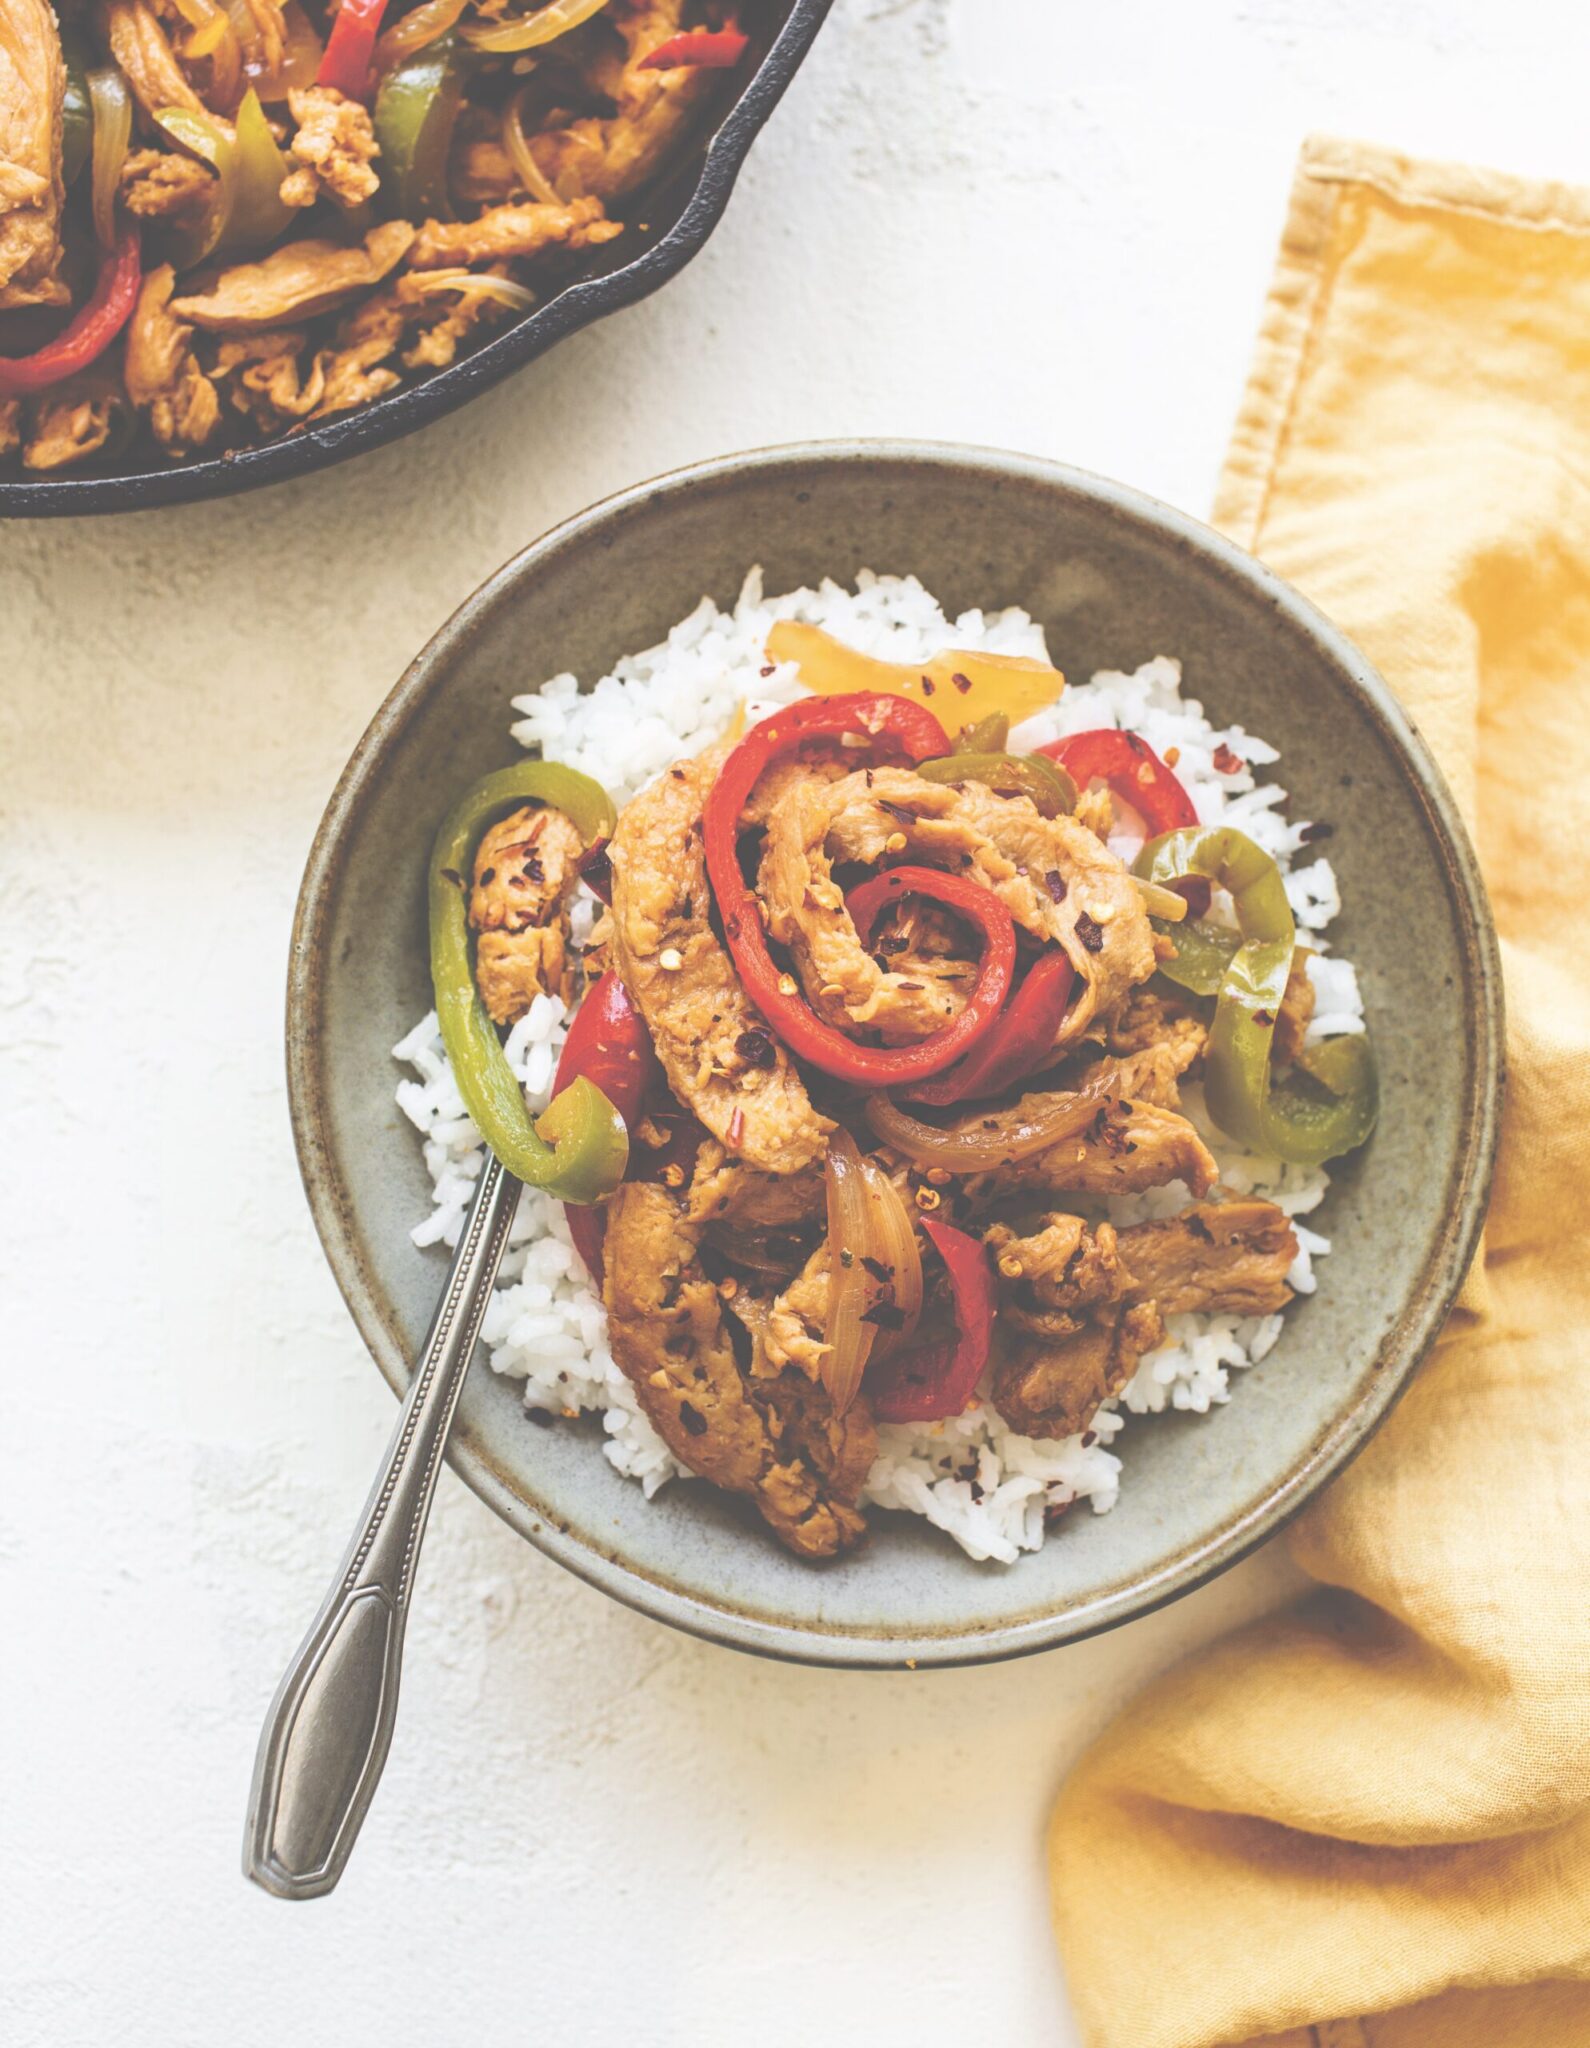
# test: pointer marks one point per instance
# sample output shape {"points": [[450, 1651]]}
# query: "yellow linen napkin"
{"points": [[1365, 1823]]}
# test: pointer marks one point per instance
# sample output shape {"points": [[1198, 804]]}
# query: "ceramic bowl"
{"points": [[1115, 578], [679, 213]]}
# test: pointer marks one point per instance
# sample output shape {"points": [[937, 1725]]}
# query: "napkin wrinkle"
{"points": [[1365, 1822]]}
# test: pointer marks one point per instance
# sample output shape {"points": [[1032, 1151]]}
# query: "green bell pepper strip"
{"points": [[987, 736], [77, 116], [213, 143], [415, 111], [1303, 1125], [1203, 953], [578, 1148], [258, 215], [1050, 788]]}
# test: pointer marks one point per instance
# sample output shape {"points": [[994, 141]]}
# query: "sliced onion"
{"points": [[896, 1248], [414, 30], [112, 104], [978, 1143], [278, 57], [516, 143], [214, 37], [302, 52], [530, 31], [847, 1338], [1161, 902], [474, 284]]}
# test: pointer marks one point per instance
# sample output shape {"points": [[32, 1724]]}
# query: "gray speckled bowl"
{"points": [[1115, 578]]}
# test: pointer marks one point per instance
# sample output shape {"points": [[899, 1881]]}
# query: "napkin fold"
{"points": [[1365, 1822]]}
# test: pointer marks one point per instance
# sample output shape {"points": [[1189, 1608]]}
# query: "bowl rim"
{"points": [[1403, 1346], [404, 411]]}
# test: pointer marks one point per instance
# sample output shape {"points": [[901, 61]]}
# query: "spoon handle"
{"points": [[327, 1734]]}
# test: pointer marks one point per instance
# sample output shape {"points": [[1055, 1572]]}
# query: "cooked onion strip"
{"points": [[302, 51], [415, 30], [896, 1248], [516, 143], [530, 31], [214, 37], [474, 284], [847, 1338], [979, 1143], [112, 104], [1161, 902]]}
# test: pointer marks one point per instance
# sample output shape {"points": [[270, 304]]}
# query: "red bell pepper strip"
{"points": [[927, 1382], [350, 48], [610, 1045], [1132, 769], [914, 731], [1014, 1044], [1020, 1041], [91, 329], [706, 49]]}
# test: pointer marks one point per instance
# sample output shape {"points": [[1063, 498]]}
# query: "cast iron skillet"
{"points": [[680, 212]]}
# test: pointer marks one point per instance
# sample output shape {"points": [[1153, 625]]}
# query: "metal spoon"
{"points": [[327, 1734]]}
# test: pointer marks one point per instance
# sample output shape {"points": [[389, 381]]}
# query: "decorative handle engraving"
{"points": [[326, 1737]]}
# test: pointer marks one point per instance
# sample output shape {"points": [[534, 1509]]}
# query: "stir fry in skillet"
{"points": [[222, 219], [874, 1025]]}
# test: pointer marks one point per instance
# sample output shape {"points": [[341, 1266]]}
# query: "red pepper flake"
{"points": [[884, 1315], [1089, 1438], [928, 686], [879, 1271], [1318, 830], [769, 670], [1055, 883], [1091, 934], [962, 683], [487, 877], [1196, 891], [736, 1130], [1228, 762], [756, 1048], [898, 811], [1265, 1018], [452, 875], [693, 1419]]}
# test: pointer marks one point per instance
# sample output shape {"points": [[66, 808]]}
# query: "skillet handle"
{"points": [[327, 1734]]}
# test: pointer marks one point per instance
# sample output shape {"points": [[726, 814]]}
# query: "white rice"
{"points": [[991, 1490]]}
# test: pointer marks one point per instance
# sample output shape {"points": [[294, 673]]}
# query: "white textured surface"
{"points": [[591, 1831]]}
